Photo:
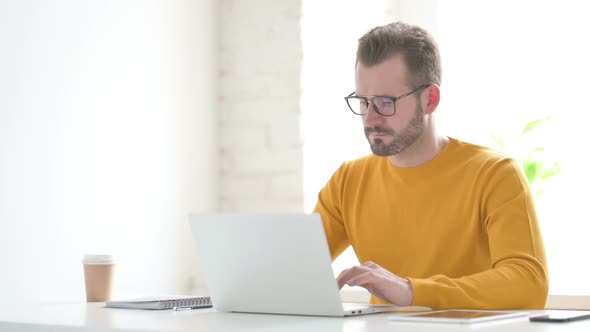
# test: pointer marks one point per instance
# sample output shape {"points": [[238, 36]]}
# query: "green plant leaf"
{"points": [[534, 124], [532, 169], [554, 170], [530, 153]]}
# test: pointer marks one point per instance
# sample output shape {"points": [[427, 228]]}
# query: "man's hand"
{"points": [[379, 282]]}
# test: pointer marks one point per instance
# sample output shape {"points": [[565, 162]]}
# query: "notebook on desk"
{"points": [[272, 263], [163, 303]]}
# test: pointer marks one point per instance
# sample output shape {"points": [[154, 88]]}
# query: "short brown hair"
{"points": [[419, 49]]}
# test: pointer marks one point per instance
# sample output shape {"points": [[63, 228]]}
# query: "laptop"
{"points": [[273, 264]]}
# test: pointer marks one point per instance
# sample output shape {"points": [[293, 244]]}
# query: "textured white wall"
{"points": [[259, 115], [107, 117]]}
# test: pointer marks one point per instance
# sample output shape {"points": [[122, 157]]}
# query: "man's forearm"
{"points": [[513, 285]]}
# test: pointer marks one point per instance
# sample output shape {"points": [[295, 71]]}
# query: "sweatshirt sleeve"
{"points": [[517, 277], [328, 206]]}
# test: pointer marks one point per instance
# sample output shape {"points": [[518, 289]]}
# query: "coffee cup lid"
{"points": [[98, 259]]}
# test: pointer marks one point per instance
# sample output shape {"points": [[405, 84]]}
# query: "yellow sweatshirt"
{"points": [[462, 227]]}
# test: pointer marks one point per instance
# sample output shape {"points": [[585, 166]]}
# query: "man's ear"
{"points": [[433, 98]]}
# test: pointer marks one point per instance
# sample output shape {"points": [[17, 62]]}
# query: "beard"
{"points": [[401, 140]]}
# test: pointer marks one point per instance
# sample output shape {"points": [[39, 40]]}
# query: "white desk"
{"points": [[92, 317]]}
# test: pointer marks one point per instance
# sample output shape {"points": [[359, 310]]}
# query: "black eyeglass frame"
{"points": [[393, 99]]}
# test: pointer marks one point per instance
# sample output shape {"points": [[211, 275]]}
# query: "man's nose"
{"points": [[372, 117]]}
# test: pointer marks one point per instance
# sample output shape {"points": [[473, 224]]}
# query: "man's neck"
{"points": [[423, 150]]}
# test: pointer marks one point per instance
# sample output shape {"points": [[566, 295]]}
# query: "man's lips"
{"points": [[378, 132]]}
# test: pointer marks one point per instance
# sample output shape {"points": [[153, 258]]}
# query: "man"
{"points": [[434, 221]]}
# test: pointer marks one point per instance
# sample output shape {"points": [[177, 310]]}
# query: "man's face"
{"points": [[390, 135]]}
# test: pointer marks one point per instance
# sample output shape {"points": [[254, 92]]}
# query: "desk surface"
{"points": [[93, 317]]}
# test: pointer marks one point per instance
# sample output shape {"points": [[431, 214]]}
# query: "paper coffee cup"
{"points": [[98, 277]]}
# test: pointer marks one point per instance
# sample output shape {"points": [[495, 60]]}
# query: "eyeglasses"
{"points": [[383, 105]]}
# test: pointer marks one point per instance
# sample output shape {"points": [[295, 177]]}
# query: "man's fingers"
{"points": [[341, 281], [373, 282], [342, 278], [379, 282], [369, 281], [379, 269], [349, 274], [360, 280]]}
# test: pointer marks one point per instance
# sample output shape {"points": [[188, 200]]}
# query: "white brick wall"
{"points": [[259, 115]]}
